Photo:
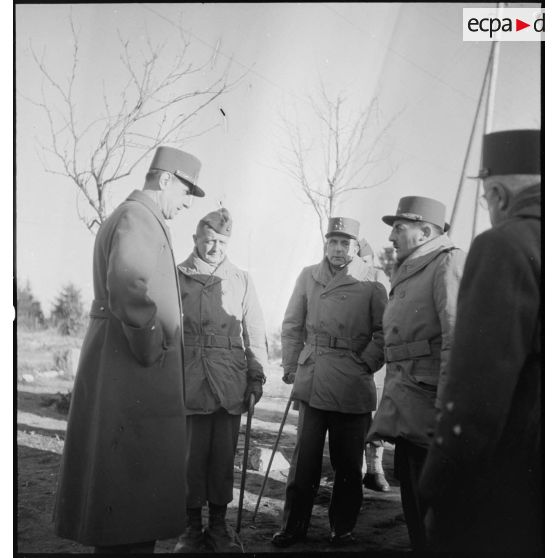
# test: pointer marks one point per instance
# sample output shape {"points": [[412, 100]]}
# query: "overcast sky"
{"points": [[410, 56]]}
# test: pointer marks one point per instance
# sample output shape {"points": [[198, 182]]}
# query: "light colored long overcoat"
{"points": [[122, 473], [420, 311], [345, 308], [220, 308]]}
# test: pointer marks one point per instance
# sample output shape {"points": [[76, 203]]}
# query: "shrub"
{"points": [[67, 314], [28, 309]]}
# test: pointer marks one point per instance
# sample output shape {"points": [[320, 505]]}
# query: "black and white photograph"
{"points": [[278, 278]]}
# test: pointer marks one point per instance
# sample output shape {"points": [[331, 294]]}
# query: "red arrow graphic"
{"points": [[519, 25]]}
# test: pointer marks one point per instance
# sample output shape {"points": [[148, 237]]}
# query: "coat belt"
{"points": [[407, 351], [99, 309], [323, 340], [218, 341]]}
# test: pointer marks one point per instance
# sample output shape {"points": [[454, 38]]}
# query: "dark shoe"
{"points": [[376, 481], [191, 541], [222, 538], [346, 539], [282, 538]]}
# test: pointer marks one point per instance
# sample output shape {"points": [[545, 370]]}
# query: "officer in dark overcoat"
{"points": [[122, 484], [483, 473]]}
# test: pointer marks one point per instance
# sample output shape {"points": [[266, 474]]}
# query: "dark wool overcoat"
{"points": [[483, 473], [122, 472], [332, 337], [224, 336]]}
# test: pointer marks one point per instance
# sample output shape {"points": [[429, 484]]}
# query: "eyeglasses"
{"points": [[483, 202]]}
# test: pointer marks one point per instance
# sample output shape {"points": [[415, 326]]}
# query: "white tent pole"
{"points": [[489, 112]]}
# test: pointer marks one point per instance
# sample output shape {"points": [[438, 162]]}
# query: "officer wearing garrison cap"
{"points": [[483, 474], [418, 329], [332, 344], [225, 353], [122, 482]]}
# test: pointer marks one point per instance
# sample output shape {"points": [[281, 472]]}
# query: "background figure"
{"points": [[121, 483], [418, 328], [332, 343], [374, 478], [483, 475], [225, 353]]}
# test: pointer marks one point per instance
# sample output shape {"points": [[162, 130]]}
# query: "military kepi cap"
{"points": [[418, 208], [181, 164], [511, 152], [343, 226], [220, 221]]}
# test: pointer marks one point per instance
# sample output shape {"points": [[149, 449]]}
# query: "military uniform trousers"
{"points": [[210, 448], [346, 445], [408, 462]]}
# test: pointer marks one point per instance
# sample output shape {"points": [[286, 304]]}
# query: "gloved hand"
{"points": [[289, 377], [255, 387]]}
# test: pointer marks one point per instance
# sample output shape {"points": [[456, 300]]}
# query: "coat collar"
{"points": [[193, 266], [420, 258], [527, 203], [144, 199], [354, 272]]}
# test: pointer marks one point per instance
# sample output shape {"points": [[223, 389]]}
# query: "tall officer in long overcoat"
{"points": [[483, 475], [418, 328], [122, 478], [332, 344], [225, 355]]}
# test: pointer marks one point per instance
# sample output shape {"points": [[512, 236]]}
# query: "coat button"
{"points": [[102, 308], [320, 352], [439, 441], [457, 430], [449, 406]]}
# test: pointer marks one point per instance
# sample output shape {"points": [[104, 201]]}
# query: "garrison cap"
{"points": [[511, 152], [220, 221], [418, 208], [364, 249], [184, 166], [344, 226]]}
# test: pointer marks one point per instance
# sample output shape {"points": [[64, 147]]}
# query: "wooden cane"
{"points": [[251, 404]]}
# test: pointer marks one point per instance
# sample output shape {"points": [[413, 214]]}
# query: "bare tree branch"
{"points": [[350, 151], [157, 101]]}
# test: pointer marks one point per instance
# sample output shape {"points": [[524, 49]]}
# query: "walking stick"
{"points": [[273, 454], [251, 403]]}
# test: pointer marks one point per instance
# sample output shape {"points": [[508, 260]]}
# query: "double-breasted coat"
{"points": [[418, 331], [224, 335], [483, 473], [122, 473], [332, 337]]}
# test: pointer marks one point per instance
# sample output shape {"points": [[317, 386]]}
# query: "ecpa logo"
{"points": [[503, 24]]}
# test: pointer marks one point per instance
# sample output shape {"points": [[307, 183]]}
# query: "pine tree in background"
{"points": [[67, 314], [28, 309]]}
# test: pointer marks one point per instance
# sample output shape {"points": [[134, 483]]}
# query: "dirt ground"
{"points": [[40, 439]]}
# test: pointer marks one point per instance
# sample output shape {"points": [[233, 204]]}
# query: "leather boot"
{"points": [[220, 537], [192, 540]]}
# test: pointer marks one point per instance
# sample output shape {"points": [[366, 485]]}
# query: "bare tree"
{"points": [[350, 151], [157, 102]]}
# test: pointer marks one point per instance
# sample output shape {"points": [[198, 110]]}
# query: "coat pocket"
{"points": [[306, 356], [426, 373]]}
